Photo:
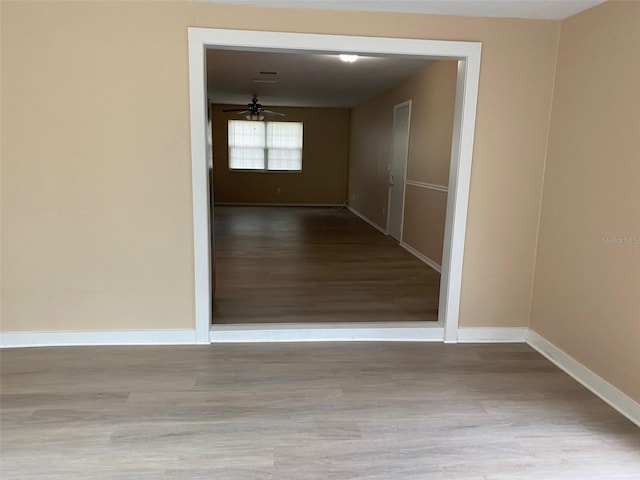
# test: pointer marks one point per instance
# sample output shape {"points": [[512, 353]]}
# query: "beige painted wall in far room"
{"points": [[432, 93], [424, 214], [429, 160], [325, 153], [97, 229], [587, 285], [432, 123]]}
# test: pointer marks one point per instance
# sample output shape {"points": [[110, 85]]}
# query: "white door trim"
{"points": [[406, 161], [468, 56], [455, 227]]}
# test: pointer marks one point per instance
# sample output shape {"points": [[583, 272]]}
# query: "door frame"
{"points": [[467, 54], [406, 161]]}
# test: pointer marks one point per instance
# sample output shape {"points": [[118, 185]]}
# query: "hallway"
{"points": [[314, 265]]}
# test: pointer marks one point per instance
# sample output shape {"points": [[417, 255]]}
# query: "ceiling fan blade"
{"points": [[240, 112], [271, 112], [236, 110]]}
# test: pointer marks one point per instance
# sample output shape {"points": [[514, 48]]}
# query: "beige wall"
{"points": [[325, 152], [369, 154], [425, 213], [587, 291], [432, 93], [96, 190], [95, 167]]}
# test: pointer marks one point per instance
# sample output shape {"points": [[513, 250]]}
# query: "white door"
{"points": [[398, 168]]}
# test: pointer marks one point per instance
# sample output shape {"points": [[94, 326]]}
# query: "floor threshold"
{"points": [[327, 332]]}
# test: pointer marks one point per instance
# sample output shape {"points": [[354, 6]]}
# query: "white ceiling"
{"points": [[533, 9], [302, 79]]}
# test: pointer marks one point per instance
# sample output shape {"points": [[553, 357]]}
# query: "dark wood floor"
{"points": [[305, 411], [302, 265]]}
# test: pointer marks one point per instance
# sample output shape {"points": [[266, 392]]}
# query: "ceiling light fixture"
{"points": [[348, 58]]}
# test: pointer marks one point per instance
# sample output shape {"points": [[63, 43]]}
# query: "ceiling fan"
{"points": [[254, 110]]}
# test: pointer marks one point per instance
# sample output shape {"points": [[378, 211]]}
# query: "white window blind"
{"points": [[246, 145], [273, 146], [284, 146]]}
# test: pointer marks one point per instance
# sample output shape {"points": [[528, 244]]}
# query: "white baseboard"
{"points": [[367, 219], [328, 332], [270, 204], [65, 339], [433, 264], [492, 335], [603, 389]]}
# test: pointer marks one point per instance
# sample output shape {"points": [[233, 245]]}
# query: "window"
{"points": [[266, 146]]}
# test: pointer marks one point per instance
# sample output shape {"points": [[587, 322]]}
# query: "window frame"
{"points": [[265, 149]]}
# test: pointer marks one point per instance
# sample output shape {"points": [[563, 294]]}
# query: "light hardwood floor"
{"points": [[304, 411], [301, 265]]}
